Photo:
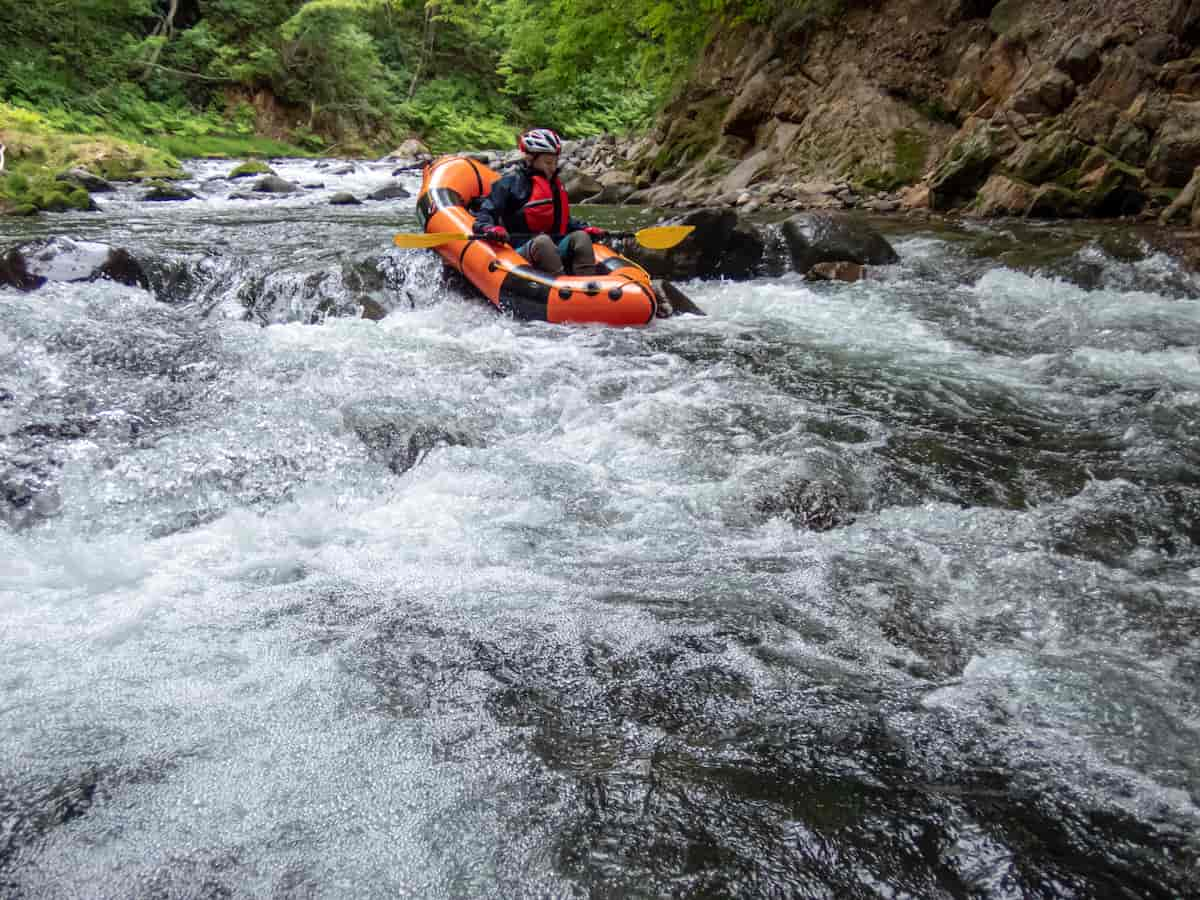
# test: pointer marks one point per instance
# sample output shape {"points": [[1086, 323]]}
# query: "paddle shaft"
{"points": [[519, 238], [661, 237]]}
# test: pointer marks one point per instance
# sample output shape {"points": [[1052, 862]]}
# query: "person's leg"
{"points": [[576, 248], [544, 255]]}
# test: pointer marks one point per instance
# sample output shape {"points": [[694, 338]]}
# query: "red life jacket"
{"points": [[547, 209]]}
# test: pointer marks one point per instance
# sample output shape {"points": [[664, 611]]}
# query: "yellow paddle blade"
{"points": [[663, 237], [433, 239]]}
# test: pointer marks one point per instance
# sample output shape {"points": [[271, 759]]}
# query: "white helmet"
{"points": [[540, 140]]}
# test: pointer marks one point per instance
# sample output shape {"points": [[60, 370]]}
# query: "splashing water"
{"points": [[889, 588]]}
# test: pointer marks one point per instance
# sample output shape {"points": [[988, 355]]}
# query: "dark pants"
{"points": [[549, 256]]}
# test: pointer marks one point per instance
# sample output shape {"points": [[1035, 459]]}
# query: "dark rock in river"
{"points": [[848, 272], [28, 494], [829, 237], [344, 199], [722, 246], [14, 272], [400, 435], [93, 184], [166, 193], [273, 184], [814, 505], [389, 192], [30, 266]]}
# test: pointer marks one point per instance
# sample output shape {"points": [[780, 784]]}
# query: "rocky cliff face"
{"points": [[1069, 107]]}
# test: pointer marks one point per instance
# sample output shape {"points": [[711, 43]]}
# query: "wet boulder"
{"points": [[847, 272], [273, 184], [30, 266], [28, 489], [394, 191], [82, 178], [820, 237], [251, 168], [164, 192], [14, 272], [722, 246], [343, 198]]}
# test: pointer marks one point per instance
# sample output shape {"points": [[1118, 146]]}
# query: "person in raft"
{"points": [[532, 201]]}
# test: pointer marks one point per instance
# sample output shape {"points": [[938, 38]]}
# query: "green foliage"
{"points": [[225, 146], [456, 113], [22, 193], [910, 149], [461, 73]]}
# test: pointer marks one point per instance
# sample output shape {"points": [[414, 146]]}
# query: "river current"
{"points": [[877, 590]]}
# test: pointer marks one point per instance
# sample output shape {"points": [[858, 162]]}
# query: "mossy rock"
{"points": [[910, 149], [1053, 157], [13, 208], [692, 133], [24, 195], [64, 198], [1056, 202], [250, 168]]}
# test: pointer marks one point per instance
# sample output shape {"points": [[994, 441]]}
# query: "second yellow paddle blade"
{"points": [[433, 239], [663, 237]]}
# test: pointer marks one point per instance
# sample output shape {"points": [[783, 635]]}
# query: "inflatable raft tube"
{"points": [[619, 295]]}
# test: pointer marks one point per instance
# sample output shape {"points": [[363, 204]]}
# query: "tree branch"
{"points": [[194, 76]]}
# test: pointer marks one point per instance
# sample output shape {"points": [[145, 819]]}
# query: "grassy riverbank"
{"points": [[40, 148]]}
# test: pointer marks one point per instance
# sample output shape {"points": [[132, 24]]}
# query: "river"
{"points": [[587, 637]]}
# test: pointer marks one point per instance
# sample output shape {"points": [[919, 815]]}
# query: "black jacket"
{"points": [[507, 198]]}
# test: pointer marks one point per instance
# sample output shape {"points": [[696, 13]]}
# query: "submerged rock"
{"points": [[399, 434], [273, 184], [29, 266], [813, 505], [394, 191], [167, 193], [342, 198], [838, 271]]}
